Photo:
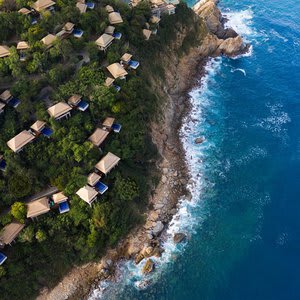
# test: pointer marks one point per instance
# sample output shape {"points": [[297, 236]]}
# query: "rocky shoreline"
{"points": [[145, 242]]}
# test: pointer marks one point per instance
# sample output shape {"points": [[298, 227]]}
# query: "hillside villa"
{"points": [[18, 142], [60, 110]]}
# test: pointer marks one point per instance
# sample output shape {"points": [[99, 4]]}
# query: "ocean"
{"points": [[243, 222]]}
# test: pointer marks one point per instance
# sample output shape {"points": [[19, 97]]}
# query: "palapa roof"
{"points": [[108, 122], [4, 51], [38, 125], [24, 11], [74, 99], [42, 4], [109, 81], [2, 105], [147, 33], [5, 96], [68, 26], [157, 2], [87, 193], [38, 207], [116, 70], [59, 197], [110, 29], [154, 19], [59, 109], [82, 7], [98, 137], [109, 8], [20, 140], [49, 39], [10, 232], [107, 162], [93, 178], [115, 18], [126, 57], [22, 45], [104, 40]]}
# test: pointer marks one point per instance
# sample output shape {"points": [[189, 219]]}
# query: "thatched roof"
{"points": [[115, 18], [20, 140], [110, 30], [59, 109], [116, 70], [87, 194], [93, 178], [69, 26], [108, 122], [108, 162], [147, 33], [42, 4], [59, 197], [109, 81], [22, 45], [126, 57], [82, 7], [104, 40], [98, 137], [74, 99], [109, 8], [38, 207], [48, 40], [24, 11], [38, 125], [10, 232], [4, 51], [6, 96], [154, 19]]}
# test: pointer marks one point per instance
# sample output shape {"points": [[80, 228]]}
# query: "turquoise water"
{"points": [[243, 222]]}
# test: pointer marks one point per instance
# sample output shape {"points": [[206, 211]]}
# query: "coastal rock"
{"points": [[164, 179], [138, 258], [148, 267], [179, 237], [199, 140], [158, 228], [231, 46]]}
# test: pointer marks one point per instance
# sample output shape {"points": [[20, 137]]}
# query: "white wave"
{"points": [[240, 21], [239, 70], [278, 35]]}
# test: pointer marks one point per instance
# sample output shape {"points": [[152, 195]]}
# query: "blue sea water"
{"points": [[243, 223]]}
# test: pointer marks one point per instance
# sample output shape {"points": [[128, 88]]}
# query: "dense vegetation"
{"points": [[47, 249]]}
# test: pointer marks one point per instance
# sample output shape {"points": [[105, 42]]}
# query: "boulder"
{"points": [[231, 46], [148, 267], [179, 237], [158, 228], [148, 251], [199, 140], [138, 258]]}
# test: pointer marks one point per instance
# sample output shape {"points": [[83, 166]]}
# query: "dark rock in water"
{"points": [[148, 267], [179, 237], [139, 257], [199, 140]]}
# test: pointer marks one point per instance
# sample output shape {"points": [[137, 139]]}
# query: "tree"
{"points": [[2, 271], [19, 211], [27, 234], [126, 189], [40, 235]]}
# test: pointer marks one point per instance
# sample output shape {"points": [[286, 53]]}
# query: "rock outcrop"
{"points": [[179, 237], [225, 40], [148, 267]]}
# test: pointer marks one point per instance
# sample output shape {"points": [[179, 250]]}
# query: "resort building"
{"points": [[24, 11], [4, 51], [93, 178], [7, 98], [18, 142], [62, 201], [77, 102], [110, 30], [109, 81], [38, 207], [117, 70], [42, 5], [69, 27], [60, 110], [87, 194], [2, 105], [104, 41], [9, 233], [38, 126], [22, 46], [107, 163], [48, 40], [115, 18], [126, 58], [108, 122], [82, 7], [109, 9], [147, 34], [98, 137]]}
